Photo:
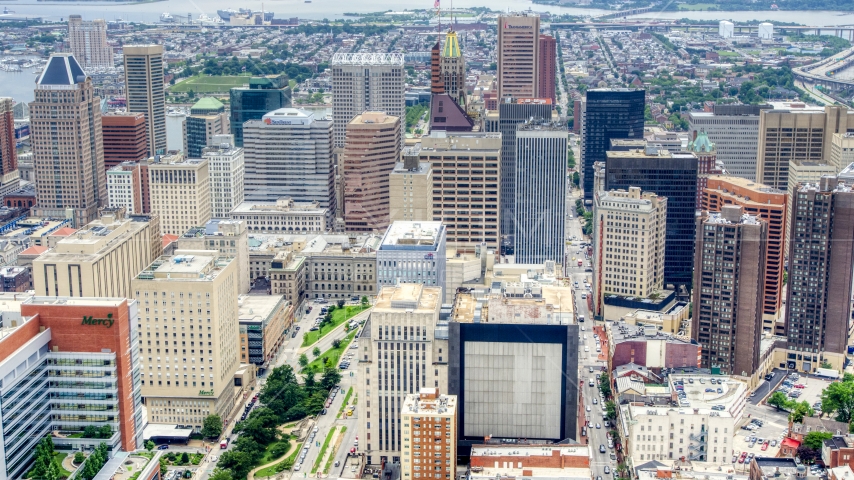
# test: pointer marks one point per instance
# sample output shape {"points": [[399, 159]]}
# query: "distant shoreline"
{"points": [[89, 2]]}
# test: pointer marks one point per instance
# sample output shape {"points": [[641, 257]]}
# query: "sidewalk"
{"points": [[294, 446]]}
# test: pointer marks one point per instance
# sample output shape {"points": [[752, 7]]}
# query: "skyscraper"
{"points": [[734, 130], [539, 226], [70, 179], [728, 278], [262, 96], [628, 245], [437, 85], [821, 259], [8, 150], [145, 92], [510, 116], [125, 138], [227, 171], [411, 188], [364, 82], [371, 150], [609, 113], [180, 193], [452, 66], [88, 42], [547, 68], [207, 119], [768, 204], [518, 56], [671, 175], [796, 133], [288, 153]]}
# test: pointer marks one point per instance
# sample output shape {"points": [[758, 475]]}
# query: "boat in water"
{"points": [[226, 14], [166, 17]]}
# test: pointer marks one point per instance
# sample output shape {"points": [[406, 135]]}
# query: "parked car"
{"points": [[601, 448]]}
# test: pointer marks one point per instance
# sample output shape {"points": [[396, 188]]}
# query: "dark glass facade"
{"points": [[610, 113], [673, 176], [261, 97]]}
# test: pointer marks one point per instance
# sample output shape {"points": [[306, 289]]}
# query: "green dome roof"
{"points": [[452, 45], [702, 144]]}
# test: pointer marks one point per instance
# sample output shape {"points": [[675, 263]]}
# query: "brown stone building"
{"points": [[547, 69], [770, 205], [125, 138], [371, 150], [729, 272]]}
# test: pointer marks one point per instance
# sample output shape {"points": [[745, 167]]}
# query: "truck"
{"points": [[827, 372], [223, 444]]}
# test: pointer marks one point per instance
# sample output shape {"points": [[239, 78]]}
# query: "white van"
{"points": [[586, 349]]}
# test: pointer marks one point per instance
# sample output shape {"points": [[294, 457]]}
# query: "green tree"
{"points": [[605, 385], [826, 364], [105, 432], [79, 457], [149, 445], [799, 411], [185, 458], [316, 352], [611, 410], [44, 457], [303, 360], [815, 440], [212, 426], [336, 343], [163, 468], [839, 397], [576, 179], [259, 426], [365, 300], [221, 474], [90, 431], [330, 378], [778, 400]]}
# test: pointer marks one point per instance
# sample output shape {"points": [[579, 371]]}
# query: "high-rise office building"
{"points": [[546, 65], [180, 193], [518, 56], [85, 350], [124, 187], [364, 82], [796, 133], [262, 96], [145, 92], [226, 166], [229, 237], [88, 42], [207, 119], [187, 378], [672, 175], [821, 259], [410, 187], [510, 116], [70, 180], [424, 414], [452, 67], [539, 226], [628, 244], [437, 84], [734, 130], [472, 159], [413, 252], [406, 315], [841, 150], [728, 284], [707, 162], [371, 150], [765, 203], [99, 260], [289, 154], [9, 176], [125, 138], [609, 113]]}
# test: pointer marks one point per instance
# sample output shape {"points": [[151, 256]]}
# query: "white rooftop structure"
{"points": [[367, 59]]}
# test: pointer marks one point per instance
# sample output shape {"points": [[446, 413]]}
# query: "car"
{"points": [[702, 381], [582, 328], [800, 385], [769, 376], [602, 448], [595, 401], [690, 380], [710, 390], [607, 470], [323, 412], [758, 422], [163, 447], [297, 327], [353, 469], [588, 408], [765, 446], [297, 467], [720, 390], [752, 394], [598, 426], [742, 457], [591, 369], [773, 443]]}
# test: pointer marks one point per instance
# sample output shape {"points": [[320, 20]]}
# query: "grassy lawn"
{"points": [[344, 403], [729, 54], [57, 459], [292, 83], [285, 464], [209, 84], [333, 353], [268, 456], [339, 316]]}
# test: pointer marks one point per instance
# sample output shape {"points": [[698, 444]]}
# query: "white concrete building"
{"points": [[282, 216], [404, 316], [122, 186], [180, 193], [226, 167]]}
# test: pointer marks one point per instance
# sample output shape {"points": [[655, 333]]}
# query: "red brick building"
{"points": [[125, 138], [8, 153], [547, 68]]}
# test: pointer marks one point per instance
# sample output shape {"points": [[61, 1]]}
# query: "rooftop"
{"points": [[743, 183], [185, 265], [622, 332], [408, 296], [367, 59], [399, 169], [288, 116], [78, 301], [651, 151], [428, 401], [62, 70], [770, 466], [258, 308], [282, 205], [208, 103], [697, 384], [425, 235]]}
